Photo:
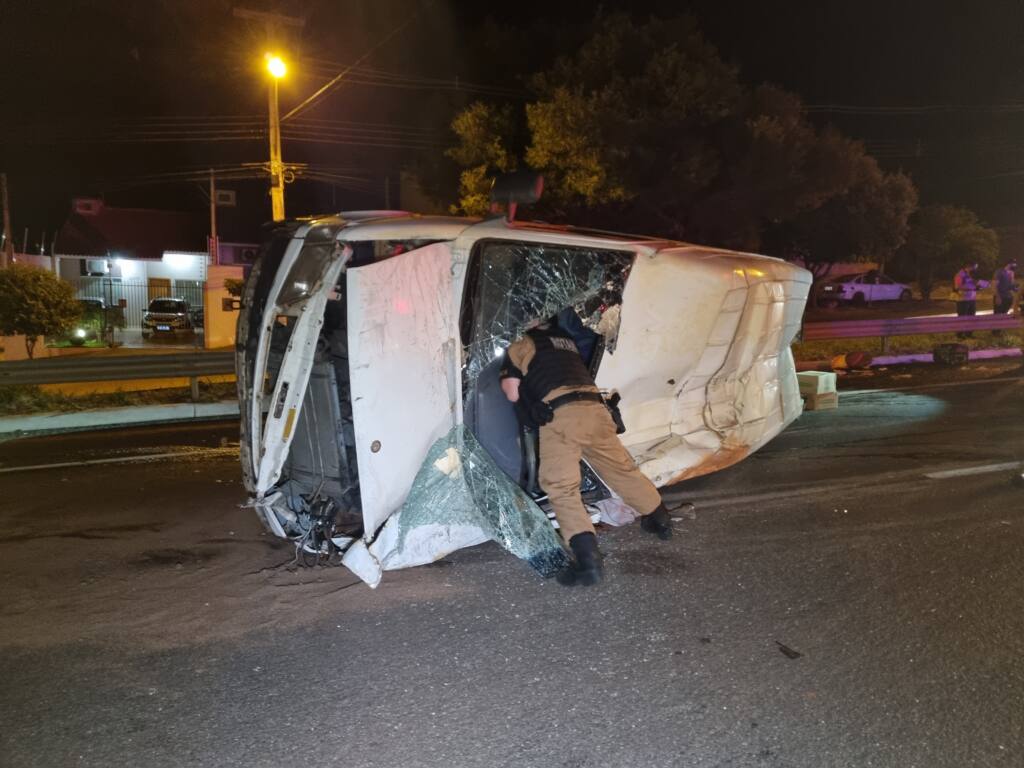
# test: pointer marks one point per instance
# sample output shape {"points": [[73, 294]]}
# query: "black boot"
{"points": [[586, 568], [659, 522]]}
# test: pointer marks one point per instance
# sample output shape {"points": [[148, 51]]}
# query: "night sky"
{"points": [[92, 90]]}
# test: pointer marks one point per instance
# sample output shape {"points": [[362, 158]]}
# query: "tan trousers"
{"points": [[586, 429]]}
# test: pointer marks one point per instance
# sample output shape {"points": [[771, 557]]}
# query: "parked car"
{"points": [[374, 431], [867, 287], [169, 318]]}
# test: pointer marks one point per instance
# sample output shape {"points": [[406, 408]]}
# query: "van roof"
{"points": [[402, 225]]}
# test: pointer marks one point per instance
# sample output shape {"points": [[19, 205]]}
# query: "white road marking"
{"points": [[966, 471], [923, 387], [121, 459], [856, 484]]}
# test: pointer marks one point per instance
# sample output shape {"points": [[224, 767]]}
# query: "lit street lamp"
{"points": [[277, 69]]}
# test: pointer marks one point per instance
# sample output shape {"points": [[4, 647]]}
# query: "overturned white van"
{"points": [[374, 430]]}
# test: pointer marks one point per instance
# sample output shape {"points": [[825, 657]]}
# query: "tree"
{"points": [[35, 303], [485, 133], [942, 239], [867, 222], [601, 120], [645, 128], [234, 286]]}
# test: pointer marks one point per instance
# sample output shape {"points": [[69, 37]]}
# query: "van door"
{"points": [[404, 363]]}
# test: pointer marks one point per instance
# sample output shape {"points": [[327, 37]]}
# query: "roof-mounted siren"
{"points": [[511, 189]]}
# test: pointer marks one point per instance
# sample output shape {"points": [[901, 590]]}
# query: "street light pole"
{"points": [[214, 248], [7, 252], [277, 70]]}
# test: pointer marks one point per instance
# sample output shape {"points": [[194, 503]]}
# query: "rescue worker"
{"points": [[544, 376]]}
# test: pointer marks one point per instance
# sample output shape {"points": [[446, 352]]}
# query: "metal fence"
{"points": [[136, 294]]}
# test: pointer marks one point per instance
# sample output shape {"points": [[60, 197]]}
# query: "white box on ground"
{"points": [[816, 382]]}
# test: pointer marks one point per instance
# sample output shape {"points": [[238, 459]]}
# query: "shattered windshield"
{"points": [[511, 284]]}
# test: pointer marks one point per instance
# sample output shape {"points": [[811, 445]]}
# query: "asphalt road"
{"points": [[837, 599]]}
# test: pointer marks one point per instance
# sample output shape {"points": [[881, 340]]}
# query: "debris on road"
{"points": [[788, 652]]}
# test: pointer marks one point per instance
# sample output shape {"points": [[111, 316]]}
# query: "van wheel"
{"points": [[858, 299]]}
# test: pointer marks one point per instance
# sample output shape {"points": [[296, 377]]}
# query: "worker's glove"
{"points": [[533, 415], [542, 413]]}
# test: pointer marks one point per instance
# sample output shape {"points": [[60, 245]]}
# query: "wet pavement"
{"points": [[848, 596]]}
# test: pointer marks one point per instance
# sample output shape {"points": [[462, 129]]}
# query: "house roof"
{"points": [[130, 232]]}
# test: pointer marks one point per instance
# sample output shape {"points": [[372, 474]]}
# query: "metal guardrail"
{"points": [[906, 326], [58, 370], [79, 368]]}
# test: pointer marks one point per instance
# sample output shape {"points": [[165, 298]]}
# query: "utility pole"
{"points": [[277, 68], [214, 245], [276, 166], [8, 250]]}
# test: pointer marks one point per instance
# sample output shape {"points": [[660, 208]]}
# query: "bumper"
{"points": [[171, 333]]}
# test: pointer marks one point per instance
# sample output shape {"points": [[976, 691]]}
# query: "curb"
{"points": [[113, 418], [924, 357], [974, 354]]}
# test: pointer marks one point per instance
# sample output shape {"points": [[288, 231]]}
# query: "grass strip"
{"points": [[826, 349], [24, 399]]}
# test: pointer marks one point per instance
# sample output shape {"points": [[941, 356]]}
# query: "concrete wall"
{"points": [[34, 260], [13, 348], [220, 325]]}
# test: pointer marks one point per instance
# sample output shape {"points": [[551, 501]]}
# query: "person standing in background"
{"points": [[1005, 287], [966, 286]]}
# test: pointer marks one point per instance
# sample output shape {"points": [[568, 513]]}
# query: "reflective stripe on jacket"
{"points": [[966, 285]]}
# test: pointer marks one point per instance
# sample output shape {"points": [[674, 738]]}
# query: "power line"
{"points": [[190, 118], [367, 127], [245, 171], [430, 138], [340, 76], [452, 86], [382, 144], [372, 76], [918, 109]]}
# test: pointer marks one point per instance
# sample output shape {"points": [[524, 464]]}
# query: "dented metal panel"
{"points": [[702, 360]]}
